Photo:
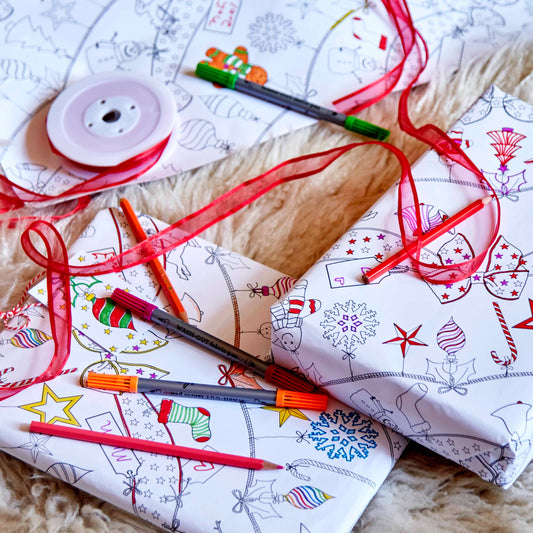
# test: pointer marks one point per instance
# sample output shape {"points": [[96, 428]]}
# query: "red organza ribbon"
{"points": [[58, 288], [55, 261], [415, 53], [13, 196]]}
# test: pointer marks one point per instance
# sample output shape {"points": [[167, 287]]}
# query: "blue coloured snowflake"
{"points": [[271, 33], [344, 435], [349, 324]]}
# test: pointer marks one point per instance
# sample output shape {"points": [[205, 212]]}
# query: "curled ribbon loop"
{"points": [[58, 288], [415, 53]]}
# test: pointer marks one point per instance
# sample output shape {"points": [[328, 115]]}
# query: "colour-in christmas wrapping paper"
{"points": [[448, 366], [317, 50], [334, 461]]}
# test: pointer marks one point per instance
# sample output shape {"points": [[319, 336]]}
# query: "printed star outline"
{"points": [[406, 339], [47, 394], [528, 322]]}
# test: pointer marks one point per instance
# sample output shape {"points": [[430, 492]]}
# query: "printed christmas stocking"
{"points": [[197, 417]]}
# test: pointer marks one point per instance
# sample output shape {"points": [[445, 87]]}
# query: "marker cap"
{"points": [[114, 382], [287, 380], [216, 75], [366, 128], [301, 400]]}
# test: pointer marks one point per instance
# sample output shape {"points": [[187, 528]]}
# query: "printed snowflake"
{"points": [[349, 324], [344, 435], [271, 33]]}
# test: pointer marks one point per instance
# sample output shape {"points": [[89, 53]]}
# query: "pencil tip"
{"points": [[267, 465]]}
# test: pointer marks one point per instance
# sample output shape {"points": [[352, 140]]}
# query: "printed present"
{"points": [[446, 365], [333, 460]]}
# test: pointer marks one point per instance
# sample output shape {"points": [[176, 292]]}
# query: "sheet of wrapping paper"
{"points": [[334, 461], [318, 51], [445, 365]]}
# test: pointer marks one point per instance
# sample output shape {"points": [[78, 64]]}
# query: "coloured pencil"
{"points": [[119, 441], [273, 373], [157, 267], [426, 238], [279, 397]]}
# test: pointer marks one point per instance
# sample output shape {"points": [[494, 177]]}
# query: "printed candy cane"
{"points": [[293, 469], [509, 360], [34, 379], [20, 308]]}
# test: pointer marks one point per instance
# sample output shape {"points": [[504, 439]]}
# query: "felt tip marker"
{"points": [[277, 375], [279, 398], [232, 80]]}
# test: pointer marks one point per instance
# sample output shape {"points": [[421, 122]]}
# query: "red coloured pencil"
{"points": [[157, 267], [426, 238], [162, 448]]}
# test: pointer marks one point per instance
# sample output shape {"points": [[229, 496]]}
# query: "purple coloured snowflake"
{"points": [[349, 324]]}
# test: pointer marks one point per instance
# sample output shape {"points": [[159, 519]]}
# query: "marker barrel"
{"points": [[212, 392]]}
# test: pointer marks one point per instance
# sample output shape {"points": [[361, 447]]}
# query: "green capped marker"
{"points": [[233, 81]]}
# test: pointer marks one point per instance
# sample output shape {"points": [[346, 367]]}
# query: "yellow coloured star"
{"points": [[49, 403], [285, 413]]}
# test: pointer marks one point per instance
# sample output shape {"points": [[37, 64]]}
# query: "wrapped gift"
{"points": [[445, 365], [325, 481]]}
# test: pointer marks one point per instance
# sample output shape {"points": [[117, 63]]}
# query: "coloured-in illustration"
{"points": [[196, 417], [52, 408], [348, 325], [506, 273], [236, 63], [506, 143], [27, 338], [170, 492], [405, 339], [344, 435], [277, 289], [450, 371], [481, 323], [288, 316], [504, 360], [261, 499], [527, 323]]}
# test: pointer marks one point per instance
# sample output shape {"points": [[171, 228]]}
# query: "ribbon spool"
{"points": [[109, 118]]}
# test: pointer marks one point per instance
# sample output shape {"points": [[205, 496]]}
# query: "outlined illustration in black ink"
{"points": [[408, 404]]}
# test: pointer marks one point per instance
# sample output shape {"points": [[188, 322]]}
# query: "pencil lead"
{"points": [[267, 465]]}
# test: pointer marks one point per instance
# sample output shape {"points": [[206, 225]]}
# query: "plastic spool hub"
{"points": [[108, 118]]}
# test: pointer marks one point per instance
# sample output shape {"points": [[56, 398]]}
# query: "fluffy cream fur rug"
{"points": [[288, 229]]}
